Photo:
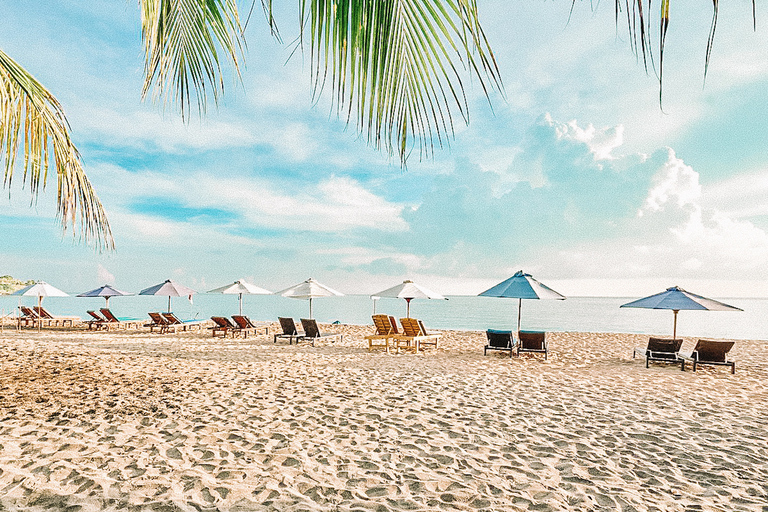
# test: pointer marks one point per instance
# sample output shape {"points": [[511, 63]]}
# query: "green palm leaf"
{"points": [[182, 41], [639, 30], [30, 113], [396, 66]]}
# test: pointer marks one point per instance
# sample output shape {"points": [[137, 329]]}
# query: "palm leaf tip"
{"points": [[31, 116], [397, 66], [185, 42]]}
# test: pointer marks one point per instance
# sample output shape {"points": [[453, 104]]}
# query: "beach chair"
{"points": [[412, 337], [500, 340], [221, 324], [386, 328], [659, 350], [312, 332], [55, 320], [96, 322], [174, 323], [431, 337], [157, 321], [532, 342], [709, 352], [117, 322], [289, 331], [28, 315], [245, 325]]}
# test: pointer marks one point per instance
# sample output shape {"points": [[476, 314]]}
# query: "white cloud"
{"points": [[675, 183], [104, 275], [600, 142]]}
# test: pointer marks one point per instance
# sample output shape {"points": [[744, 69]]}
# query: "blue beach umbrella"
{"points": [[676, 299], [105, 291], [521, 286]]}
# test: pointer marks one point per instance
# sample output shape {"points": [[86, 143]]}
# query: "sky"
{"points": [[574, 174]]}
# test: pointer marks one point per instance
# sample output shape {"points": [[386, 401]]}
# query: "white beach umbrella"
{"points": [[309, 289], [409, 290], [40, 289], [521, 286], [105, 291], [170, 289], [675, 298], [241, 287]]}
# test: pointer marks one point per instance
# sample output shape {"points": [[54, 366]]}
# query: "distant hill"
{"points": [[9, 285]]}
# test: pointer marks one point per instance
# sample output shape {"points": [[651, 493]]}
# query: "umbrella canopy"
{"points": [[241, 287], [676, 299], [105, 291], [40, 289], [170, 289], [309, 289], [522, 286], [409, 290]]}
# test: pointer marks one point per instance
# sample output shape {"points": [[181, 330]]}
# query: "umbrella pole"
{"points": [[310, 308], [169, 303], [241, 304], [39, 309], [674, 327], [519, 307], [408, 308]]}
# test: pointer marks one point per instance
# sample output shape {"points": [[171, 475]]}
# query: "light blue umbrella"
{"points": [[522, 286], [676, 299]]}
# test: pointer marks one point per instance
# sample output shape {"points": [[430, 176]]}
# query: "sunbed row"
{"points": [[710, 352], [310, 332], [413, 336]]}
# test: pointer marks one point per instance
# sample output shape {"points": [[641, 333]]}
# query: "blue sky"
{"points": [[575, 175]]}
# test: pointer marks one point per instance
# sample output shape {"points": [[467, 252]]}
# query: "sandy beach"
{"points": [[113, 421]]}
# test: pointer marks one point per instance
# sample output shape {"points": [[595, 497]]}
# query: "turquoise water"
{"points": [[588, 314]]}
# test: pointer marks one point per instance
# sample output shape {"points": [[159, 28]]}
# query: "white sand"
{"points": [[187, 422]]}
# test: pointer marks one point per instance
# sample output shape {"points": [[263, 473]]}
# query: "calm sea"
{"points": [[587, 314]]}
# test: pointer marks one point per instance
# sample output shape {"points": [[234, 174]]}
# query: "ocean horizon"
{"points": [[580, 314]]}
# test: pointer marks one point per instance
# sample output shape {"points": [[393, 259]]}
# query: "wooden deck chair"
{"points": [[500, 340], [532, 342], [312, 332], [159, 321], [430, 337], [385, 331], [96, 322], [411, 337], [245, 325], [659, 350], [117, 322], [221, 324], [709, 352], [28, 315], [289, 331], [55, 320], [174, 323]]}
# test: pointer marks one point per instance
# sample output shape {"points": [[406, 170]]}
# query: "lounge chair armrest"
{"points": [[688, 356]]}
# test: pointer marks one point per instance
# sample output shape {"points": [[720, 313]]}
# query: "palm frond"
{"points": [[639, 25], [396, 66], [29, 112], [182, 44]]}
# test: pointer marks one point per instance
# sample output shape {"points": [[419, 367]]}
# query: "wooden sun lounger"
{"points": [[245, 325], [174, 323], [28, 315], [659, 350], [312, 332], [51, 319], [500, 340], [157, 321], [709, 352], [96, 322], [386, 329], [414, 336], [117, 322], [221, 324]]}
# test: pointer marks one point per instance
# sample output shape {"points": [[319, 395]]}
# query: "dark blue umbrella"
{"points": [[676, 299], [522, 286], [105, 291]]}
